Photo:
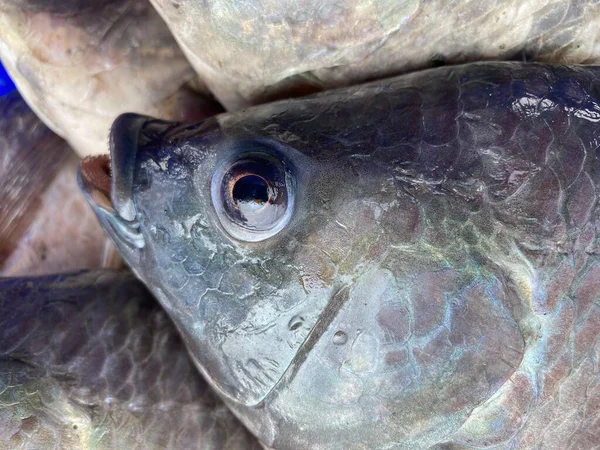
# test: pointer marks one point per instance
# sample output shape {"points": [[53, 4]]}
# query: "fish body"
{"points": [[46, 225], [89, 360], [79, 64], [249, 52], [409, 264]]}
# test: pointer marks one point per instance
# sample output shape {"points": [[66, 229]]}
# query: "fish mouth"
{"points": [[109, 180], [95, 179], [107, 183]]}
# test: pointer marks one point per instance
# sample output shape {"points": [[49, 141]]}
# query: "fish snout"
{"points": [[107, 181]]}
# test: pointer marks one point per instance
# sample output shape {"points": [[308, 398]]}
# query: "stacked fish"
{"points": [[376, 253]]}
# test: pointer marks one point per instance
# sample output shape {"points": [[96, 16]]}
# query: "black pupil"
{"points": [[252, 193], [251, 188]]}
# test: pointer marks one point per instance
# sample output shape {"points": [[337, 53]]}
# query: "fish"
{"points": [[46, 224], [89, 360], [79, 64], [411, 263], [252, 52]]}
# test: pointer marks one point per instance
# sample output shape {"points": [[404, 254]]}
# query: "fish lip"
{"points": [[108, 180], [123, 142], [94, 180]]}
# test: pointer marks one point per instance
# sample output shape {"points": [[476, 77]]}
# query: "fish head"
{"points": [[246, 240], [309, 270]]}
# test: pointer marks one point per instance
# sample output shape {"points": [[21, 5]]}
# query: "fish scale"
{"points": [[89, 360]]}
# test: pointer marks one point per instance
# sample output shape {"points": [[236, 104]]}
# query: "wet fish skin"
{"points": [[46, 225], [79, 64], [21, 131], [276, 49], [89, 360], [436, 285]]}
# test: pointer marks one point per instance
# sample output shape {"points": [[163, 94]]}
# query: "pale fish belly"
{"points": [[250, 52], [81, 64]]}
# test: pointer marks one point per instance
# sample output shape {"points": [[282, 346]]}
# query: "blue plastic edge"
{"points": [[6, 84]]}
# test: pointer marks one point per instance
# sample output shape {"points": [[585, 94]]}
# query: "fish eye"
{"points": [[253, 196]]}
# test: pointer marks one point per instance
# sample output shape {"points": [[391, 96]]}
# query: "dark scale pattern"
{"points": [[90, 361]]}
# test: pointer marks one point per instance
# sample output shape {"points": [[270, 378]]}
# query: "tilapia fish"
{"points": [[250, 51], [46, 225], [90, 361], [407, 264], [79, 64]]}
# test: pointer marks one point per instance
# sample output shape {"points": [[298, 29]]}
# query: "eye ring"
{"points": [[253, 195]]}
